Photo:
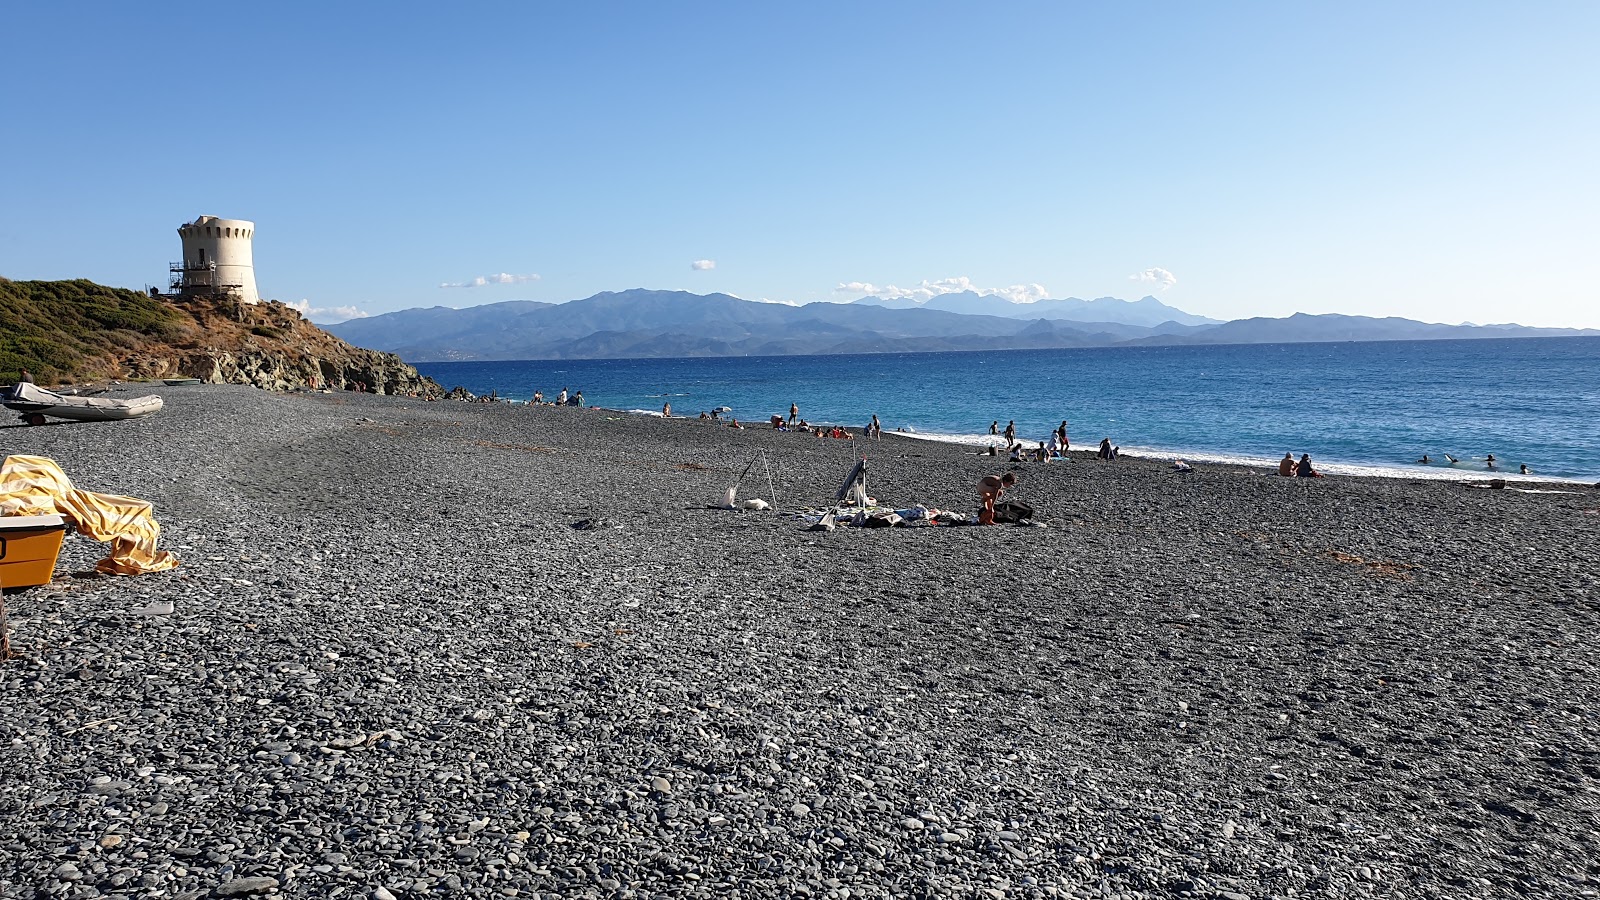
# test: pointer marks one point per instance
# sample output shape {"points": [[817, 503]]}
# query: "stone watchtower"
{"points": [[216, 260]]}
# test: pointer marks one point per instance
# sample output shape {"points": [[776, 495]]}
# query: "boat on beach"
{"points": [[35, 403], [178, 382]]}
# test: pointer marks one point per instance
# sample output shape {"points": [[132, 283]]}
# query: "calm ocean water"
{"points": [[1356, 407]]}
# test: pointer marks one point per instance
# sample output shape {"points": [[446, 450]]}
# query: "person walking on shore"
{"points": [[990, 489], [666, 410], [875, 430], [1061, 436], [794, 412], [1011, 431]]}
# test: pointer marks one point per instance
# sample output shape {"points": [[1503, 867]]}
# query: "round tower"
{"points": [[217, 258]]}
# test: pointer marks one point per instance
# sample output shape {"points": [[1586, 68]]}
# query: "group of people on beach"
{"points": [[562, 399], [1055, 448], [1288, 468]]}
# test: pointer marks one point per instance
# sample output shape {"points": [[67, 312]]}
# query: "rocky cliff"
{"points": [[79, 331]]}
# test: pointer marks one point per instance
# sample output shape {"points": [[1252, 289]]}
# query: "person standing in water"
{"points": [[994, 427], [1011, 431]]}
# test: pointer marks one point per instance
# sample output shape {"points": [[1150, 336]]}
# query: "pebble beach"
{"points": [[482, 650]]}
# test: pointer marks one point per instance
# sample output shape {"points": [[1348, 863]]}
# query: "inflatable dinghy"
{"points": [[35, 403]]}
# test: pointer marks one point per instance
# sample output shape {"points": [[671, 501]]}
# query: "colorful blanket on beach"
{"points": [[36, 486]]}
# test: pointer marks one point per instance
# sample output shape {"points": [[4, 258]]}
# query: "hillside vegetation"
{"points": [[62, 330], [77, 331]]}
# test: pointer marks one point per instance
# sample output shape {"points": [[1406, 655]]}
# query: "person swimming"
{"points": [[1425, 460], [1452, 459], [1489, 463], [1523, 468]]}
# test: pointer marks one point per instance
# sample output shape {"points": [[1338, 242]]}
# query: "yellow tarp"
{"points": [[36, 486]]}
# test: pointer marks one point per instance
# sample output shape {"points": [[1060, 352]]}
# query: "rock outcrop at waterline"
{"points": [[78, 331]]}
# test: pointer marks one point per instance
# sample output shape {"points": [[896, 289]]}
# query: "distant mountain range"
{"points": [[646, 323], [1145, 311]]}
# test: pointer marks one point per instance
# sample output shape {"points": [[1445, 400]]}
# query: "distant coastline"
{"points": [[646, 324]]}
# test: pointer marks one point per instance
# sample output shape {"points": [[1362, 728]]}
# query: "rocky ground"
{"points": [[396, 669]]}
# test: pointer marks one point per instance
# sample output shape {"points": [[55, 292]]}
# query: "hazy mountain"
{"points": [[1303, 327], [645, 323], [1144, 311]]}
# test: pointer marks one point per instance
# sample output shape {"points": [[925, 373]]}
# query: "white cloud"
{"points": [[701, 265], [927, 290], [1157, 276], [483, 280], [328, 315]]}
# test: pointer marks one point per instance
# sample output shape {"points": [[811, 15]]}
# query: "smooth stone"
{"points": [[241, 887]]}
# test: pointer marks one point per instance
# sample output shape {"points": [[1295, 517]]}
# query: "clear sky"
{"points": [[1429, 160]]}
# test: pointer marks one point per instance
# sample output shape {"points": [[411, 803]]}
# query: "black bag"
{"points": [[1011, 512]]}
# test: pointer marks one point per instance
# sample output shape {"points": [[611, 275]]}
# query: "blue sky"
{"points": [[1429, 160]]}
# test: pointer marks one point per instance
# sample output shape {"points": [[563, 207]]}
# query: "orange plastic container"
{"points": [[28, 549]]}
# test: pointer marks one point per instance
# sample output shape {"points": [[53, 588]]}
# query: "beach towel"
{"points": [[36, 486]]}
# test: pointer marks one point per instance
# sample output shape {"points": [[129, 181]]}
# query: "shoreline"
{"points": [[1330, 467], [466, 649]]}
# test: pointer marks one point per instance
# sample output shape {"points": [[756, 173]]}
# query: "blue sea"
{"points": [[1357, 408]]}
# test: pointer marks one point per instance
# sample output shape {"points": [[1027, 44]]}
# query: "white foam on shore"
{"points": [[1270, 465]]}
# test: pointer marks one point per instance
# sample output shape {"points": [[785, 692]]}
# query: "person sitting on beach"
{"points": [[561, 398], [25, 378], [1016, 453], [1286, 465], [804, 425], [538, 398], [990, 489], [1303, 468], [1105, 449], [1181, 466]]}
